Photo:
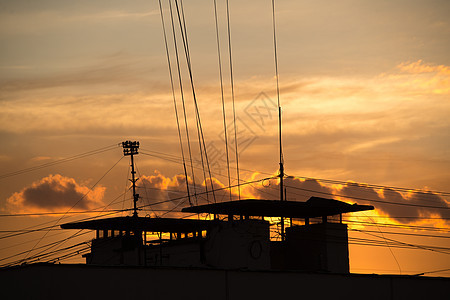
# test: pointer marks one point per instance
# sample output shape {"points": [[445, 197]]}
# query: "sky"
{"points": [[364, 90]]}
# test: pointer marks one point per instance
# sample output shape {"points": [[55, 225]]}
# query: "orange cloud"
{"points": [[412, 205], [427, 77], [55, 193], [158, 188], [419, 67]]}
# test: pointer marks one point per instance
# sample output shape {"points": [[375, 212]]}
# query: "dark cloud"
{"points": [[55, 193], [397, 205], [159, 188], [296, 189], [413, 205]]}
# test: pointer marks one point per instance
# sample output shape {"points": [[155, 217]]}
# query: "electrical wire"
{"points": [[370, 200], [188, 61], [173, 159], [222, 96], [174, 101], [232, 97], [182, 98], [360, 185], [403, 233], [59, 213], [78, 201], [59, 161]]}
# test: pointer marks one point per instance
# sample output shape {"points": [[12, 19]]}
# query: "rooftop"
{"points": [[141, 224], [314, 207]]}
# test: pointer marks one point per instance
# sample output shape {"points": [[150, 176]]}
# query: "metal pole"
{"points": [[131, 148], [281, 172], [135, 196]]}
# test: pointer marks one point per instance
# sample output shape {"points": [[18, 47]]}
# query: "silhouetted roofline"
{"points": [[314, 207], [141, 224]]}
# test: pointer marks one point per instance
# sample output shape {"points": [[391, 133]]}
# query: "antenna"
{"points": [[281, 171], [279, 113], [130, 149]]}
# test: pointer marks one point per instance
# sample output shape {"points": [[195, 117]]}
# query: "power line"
{"points": [[61, 213], [370, 200], [403, 233], [30, 241], [43, 246], [222, 96], [423, 247], [182, 96], [175, 159], [174, 100], [401, 226], [59, 161], [407, 217], [232, 97], [219, 189], [79, 200], [360, 185], [201, 137], [201, 141], [39, 256], [429, 272], [48, 228]]}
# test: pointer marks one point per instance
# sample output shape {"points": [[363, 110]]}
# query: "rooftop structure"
{"points": [[242, 240], [314, 207]]}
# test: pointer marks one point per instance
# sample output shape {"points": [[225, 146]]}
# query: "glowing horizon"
{"points": [[364, 93]]}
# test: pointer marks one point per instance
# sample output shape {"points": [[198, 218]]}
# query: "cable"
{"points": [[199, 123], [389, 247], [222, 96], [219, 189], [30, 241], [182, 98], [358, 198], [174, 101], [403, 233], [370, 200], [145, 189], [423, 247], [43, 246], [74, 235], [402, 226], [173, 158], [37, 257], [232, 97], [58, 213], [26, 231], [279, 105], [59, 161], [355, 184], [399, 217], [78, 202], [429, 272], [58, 243]]}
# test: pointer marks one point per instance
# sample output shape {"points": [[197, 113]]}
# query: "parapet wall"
{"points": [[92, 282]]}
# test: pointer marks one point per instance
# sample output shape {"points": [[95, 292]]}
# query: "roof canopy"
{"points": [[314, 207], [141, 224]]}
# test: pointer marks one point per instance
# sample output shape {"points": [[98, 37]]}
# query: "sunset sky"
{"points": [[364, 90]]}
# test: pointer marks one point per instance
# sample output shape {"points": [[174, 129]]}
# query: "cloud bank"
{"points": [[55, 193], [402, 207]]}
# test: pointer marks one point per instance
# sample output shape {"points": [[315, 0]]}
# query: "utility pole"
{"points": [[281, 171], [130, 149]]}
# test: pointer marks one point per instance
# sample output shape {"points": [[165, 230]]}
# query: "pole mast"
{"points": [[281, 171], [130, 149], [281, 175]]}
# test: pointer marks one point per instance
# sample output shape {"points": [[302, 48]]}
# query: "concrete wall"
{"points": [[91, 282]]}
